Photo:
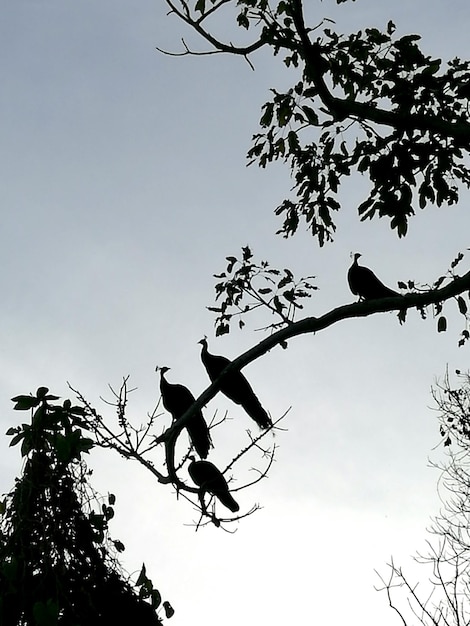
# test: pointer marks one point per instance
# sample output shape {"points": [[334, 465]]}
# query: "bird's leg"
{"points": [[201, 500], [214, 519]]}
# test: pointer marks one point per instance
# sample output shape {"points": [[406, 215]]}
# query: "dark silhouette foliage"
{"points": [[370, 102], [246, 285], [58, 565]]}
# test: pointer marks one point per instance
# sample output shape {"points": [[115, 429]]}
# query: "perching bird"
{"points": [[365, 284], [211, 480], [177, 399], [235, 386]]}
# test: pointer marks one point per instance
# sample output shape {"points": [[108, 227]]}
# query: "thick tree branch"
{"points": [[313, 325], [341, 108]]}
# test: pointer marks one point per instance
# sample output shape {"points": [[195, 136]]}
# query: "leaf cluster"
{"points": [[246, 285], [412, 286], [334, 122], [369, 103], [147, 590], [55, 428]]}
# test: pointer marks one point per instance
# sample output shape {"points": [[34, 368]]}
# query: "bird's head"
{"points": [[203, 342], [355, 256], [162, 369]]}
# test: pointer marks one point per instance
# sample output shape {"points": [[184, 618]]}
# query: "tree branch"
{"points": [[313, 325], [316, 67], [216, 43], [341, 108]]}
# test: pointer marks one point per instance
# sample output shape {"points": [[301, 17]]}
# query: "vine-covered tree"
{"points": [[58, 564]]}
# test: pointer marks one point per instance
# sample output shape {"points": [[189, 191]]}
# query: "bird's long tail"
{"points": [[228, 500], [390, 293], [200, 438], [255, 410]]}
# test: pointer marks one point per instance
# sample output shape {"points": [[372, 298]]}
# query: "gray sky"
{"points": [[123, 188]]}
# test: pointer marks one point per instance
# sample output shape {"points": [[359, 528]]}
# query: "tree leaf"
{"points": [[169, 610], [222, 329], [120, 547], [41, 392], [84, 445], [267, 116], [24, 403], [462, 305], [17, 439], [312, 117], [200, 6], [156, 598], [441, 324], [142, 576]]}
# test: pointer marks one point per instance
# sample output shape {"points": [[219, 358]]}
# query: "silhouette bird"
{"points": [[235, 386], [365, 284], [211, 480], [177, 399]]}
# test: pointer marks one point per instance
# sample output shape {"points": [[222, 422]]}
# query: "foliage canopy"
{"points": [[369, 102]]}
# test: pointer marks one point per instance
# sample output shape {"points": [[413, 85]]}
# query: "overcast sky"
{"points": [[123, 187]]}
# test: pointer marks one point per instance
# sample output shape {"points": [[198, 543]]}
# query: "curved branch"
{"points": [[217, 44], [316, 67], [313, 325], [342, 108]]}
